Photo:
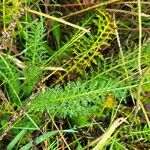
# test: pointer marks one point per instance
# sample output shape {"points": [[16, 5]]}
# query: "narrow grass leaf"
{"points": [[12, 144], [43, 137]]}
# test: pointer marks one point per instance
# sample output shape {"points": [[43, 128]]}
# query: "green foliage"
{"points": [[108, 80], [44, 137], [9, 10], [76, 99], [9, 77], [85, 98], [35, 50], [56, 32], [16, 139], [86, 51], [32, 76], [35, 55], [138, 134]]}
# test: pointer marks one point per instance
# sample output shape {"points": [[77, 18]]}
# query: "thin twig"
{"points": [[59, 132], [139, 102], [120, 47], [90, 8], [128, 12], [132, 2], [140, 36]]}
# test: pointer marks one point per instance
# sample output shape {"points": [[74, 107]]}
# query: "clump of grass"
{"points": [[83, 92]]}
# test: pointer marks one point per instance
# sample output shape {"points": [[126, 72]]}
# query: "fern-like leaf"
{"points": [[86, 52]]}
